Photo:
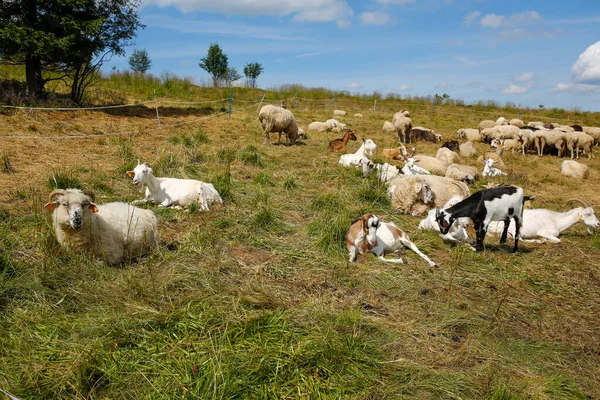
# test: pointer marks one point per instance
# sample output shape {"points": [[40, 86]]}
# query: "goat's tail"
{"points": [[526, 198]]}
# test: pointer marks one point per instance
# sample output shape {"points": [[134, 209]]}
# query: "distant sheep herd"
{"points": [[433, 185]]}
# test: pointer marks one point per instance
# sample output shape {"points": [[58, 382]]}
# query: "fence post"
{"points": [[332, 100], [295, 100], [156, 105], [261, 101], [375, 105], [432, 111], [230, 102]]}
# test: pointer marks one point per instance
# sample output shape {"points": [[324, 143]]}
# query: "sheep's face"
{"points": [[72, 209], [139, 174], [444, 220]]}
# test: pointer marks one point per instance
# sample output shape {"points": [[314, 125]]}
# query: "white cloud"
{"points": [[375, 18], [443, 85], [475, 85], [521, 83], [455, 43], [471, 17], [354, 85], [576, 88], [404, 88], [587, 67], [525, 18], [301, 10], [401, 2]]}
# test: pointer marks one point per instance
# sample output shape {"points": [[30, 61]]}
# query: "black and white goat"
{"points": [[500, 203]]}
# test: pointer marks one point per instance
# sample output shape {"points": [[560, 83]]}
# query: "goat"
{"points": [[369, 234], [385, 172], [113, 231], [489, 169], [496, 204], [173, 191], [353, 160], [410, 168], [338, 145], [549, 224], [457, 232]]}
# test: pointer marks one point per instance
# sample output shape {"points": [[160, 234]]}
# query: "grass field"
{"points": [[258, 300]]}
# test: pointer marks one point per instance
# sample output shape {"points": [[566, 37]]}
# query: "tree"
{"points": [[215, 63], [252, 71], [67, 38], [139, 61], [231, 76]]}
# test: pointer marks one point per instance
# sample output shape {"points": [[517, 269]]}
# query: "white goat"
{"points": [[354, 160], [549, 224], [370, 234], [385, 172], [457, 232], [410, 168], [114, 232], [173, 191], [489, 169]]}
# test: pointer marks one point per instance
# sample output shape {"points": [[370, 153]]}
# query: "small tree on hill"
{"points": [[231, 76], [139, 61], [215, 63], [252, 71]]}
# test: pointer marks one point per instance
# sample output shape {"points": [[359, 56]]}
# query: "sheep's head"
{"points": [[140, 173], [72, 205], [423, 190]]}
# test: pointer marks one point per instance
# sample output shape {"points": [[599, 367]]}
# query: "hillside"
{"points": [[257, 300]]}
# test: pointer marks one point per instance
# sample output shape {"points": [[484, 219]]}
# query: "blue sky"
{"points": [[526, 52]]}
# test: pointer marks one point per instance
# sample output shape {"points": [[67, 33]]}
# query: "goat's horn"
{"points": [[91, 194], [579, 200], [55, 193]]}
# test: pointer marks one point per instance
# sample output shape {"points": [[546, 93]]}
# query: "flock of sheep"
{"points": [[438, 185], [433, 185]]}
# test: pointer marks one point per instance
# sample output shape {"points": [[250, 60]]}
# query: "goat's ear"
{"points": [[51, 206], [580, 217], [130, 174], [149, 169], [93, 207]]}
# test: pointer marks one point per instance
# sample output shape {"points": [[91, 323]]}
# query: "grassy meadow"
{"points": [[258, 300]]}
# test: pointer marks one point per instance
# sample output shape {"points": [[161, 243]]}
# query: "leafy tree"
{"points": [[252, 71], [215, 63], [69, 38], [139, 61], [231, 76]]}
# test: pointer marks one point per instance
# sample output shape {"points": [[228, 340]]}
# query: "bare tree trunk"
{"points": [[33, 76]]}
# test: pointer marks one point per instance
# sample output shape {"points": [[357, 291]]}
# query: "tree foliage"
{"points": [[252, 71], [231, 76], [139, 61], [215, 63], [71, 39]]}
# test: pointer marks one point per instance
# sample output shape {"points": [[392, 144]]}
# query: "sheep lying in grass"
{"points": [[317, 127], [279, 120], [446, 156], [114, 232], [463, 173], [173, 191], [470, 134], [574, 169], [467, 149], [388, 127], [339, 112]]}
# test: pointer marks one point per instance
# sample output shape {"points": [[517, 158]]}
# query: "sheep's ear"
{"points": [[130, 174], [93, 207], [51, 206], [418, 187]]}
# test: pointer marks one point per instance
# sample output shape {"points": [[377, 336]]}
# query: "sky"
{"points": [[527, 52]]}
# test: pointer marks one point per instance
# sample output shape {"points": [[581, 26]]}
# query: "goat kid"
{"points": [[489, 169], [369, 234], [500, 203]]}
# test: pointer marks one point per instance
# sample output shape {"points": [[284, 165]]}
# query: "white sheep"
{"points": [[573, 169], [509, 144], [388, 127], [517, 122], [500, 132], [339, 112], [403, 126], [470, 134], [279, 120], [467, 149], [334, 125], [486, 123], [401, 113], [536, 124], [446, 156], [317, 127], [114, 232], [173, 191], [416, 194], [525, 137], [552, 137], [580, 140], [431, 164], [593, 132], [489, 170], [358, 115], [461, 172], [502, 121]]}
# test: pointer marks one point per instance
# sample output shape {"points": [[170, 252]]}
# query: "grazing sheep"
{"points": [[114, 232], [580, 140], [463, 173], [573, 169], [525, 137], [502, 121], [577, 128], [339, 145], [358, 115], [417, 193], [317, 127], [472, 135], [172, 191], [593, 132], [564, 128], [399, 114], [301, 134], [509, 144], [517, 122], [536, 124], [369, 234], [451, 145], [550, 125], [339, 112], [403, 126], [500, 132], [446, 156], [549, 137], [432, 164], [486, 123], [279, 120], [467, 149], [388, 127]]}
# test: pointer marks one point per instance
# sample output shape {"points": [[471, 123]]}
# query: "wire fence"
{"points": [[295, 103]]}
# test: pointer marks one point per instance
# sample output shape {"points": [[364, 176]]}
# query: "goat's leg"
{"points": [[352, 253], [409, 244], [517, 233], [505, 231]]}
